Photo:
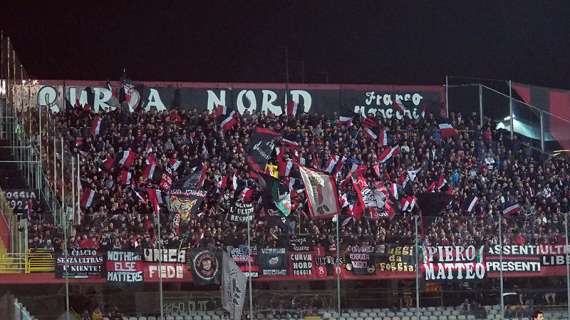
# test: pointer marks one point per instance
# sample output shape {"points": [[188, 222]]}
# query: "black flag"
{"points": [[205, 265], [433, 203]]}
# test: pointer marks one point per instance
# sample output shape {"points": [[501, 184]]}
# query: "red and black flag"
{"points": [[261, 147]]}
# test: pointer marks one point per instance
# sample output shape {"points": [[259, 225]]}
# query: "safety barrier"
{"points": [[34, 261], [12, 239], [40, 260]]}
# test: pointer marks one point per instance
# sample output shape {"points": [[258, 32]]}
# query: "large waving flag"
{"points": [[127, 158], [229, 122], [321, 193], [261, 148], [234, 283], [447, 130], [388, 153], [87, 198], [344, 121], [511, 209], [292, 107], [155, 197], [383, 138], [96, 126]]}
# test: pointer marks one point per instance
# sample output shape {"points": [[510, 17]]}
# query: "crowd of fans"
{"points": [[478, 161]]}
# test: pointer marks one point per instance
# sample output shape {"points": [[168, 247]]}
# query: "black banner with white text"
{"points": [[379, 100]]}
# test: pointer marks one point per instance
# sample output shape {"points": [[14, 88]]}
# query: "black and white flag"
{"points": [[234, 284], [373, 198]]}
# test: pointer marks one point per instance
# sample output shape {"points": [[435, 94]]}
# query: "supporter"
{"points": [[538, 315], [478, 161]]}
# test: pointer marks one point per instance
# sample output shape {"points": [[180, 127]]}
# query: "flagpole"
{"points": [[249, 268], [446, 96], [286, 78], [501, 264], [417, 268], [159, 267], [512, 120], [54, 169], [72, 188], [64, 224], [62, 183], [567, 265], [337, 264], [78, 191], [40, 154]]}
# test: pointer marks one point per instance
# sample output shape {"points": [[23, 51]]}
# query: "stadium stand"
{"points": [[477, 161], [435, 313]]}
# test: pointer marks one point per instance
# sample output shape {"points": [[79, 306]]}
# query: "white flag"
{"points": [[234, 284], [321, 193]]}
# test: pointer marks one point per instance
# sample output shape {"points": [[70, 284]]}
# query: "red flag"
{"points": [[127, 158], [394, 190], [126, 177], [221, 182], [173, 165], [370, 133], [166, 181], [331, 164], [292, 108], [431, 187], [441, 183], [96, 126], [79, 141], [405, 203], [357, 170], [344, 121], [229, 122], [155, 197], [369, 123], [247, 195], [388, 153], [391, 209], [150, 159], [376, 168], [447, 130], [383, 138], [202, 178], [358, 209], [285, 167], [87, 198], [150, 172], [109, 163]]}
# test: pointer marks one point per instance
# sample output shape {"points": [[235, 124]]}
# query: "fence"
{"points": [[31, 138], [495, 100]]}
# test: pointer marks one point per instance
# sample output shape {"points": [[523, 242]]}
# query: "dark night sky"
{"points": [[352, 41]]}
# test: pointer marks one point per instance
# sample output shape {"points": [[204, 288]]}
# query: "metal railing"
{"points": [[33, 261], [539, 129]]}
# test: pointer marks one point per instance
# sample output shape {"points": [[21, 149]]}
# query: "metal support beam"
{"points": [[481, 106], [20, 161], [446, 96], [511, 113]]}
